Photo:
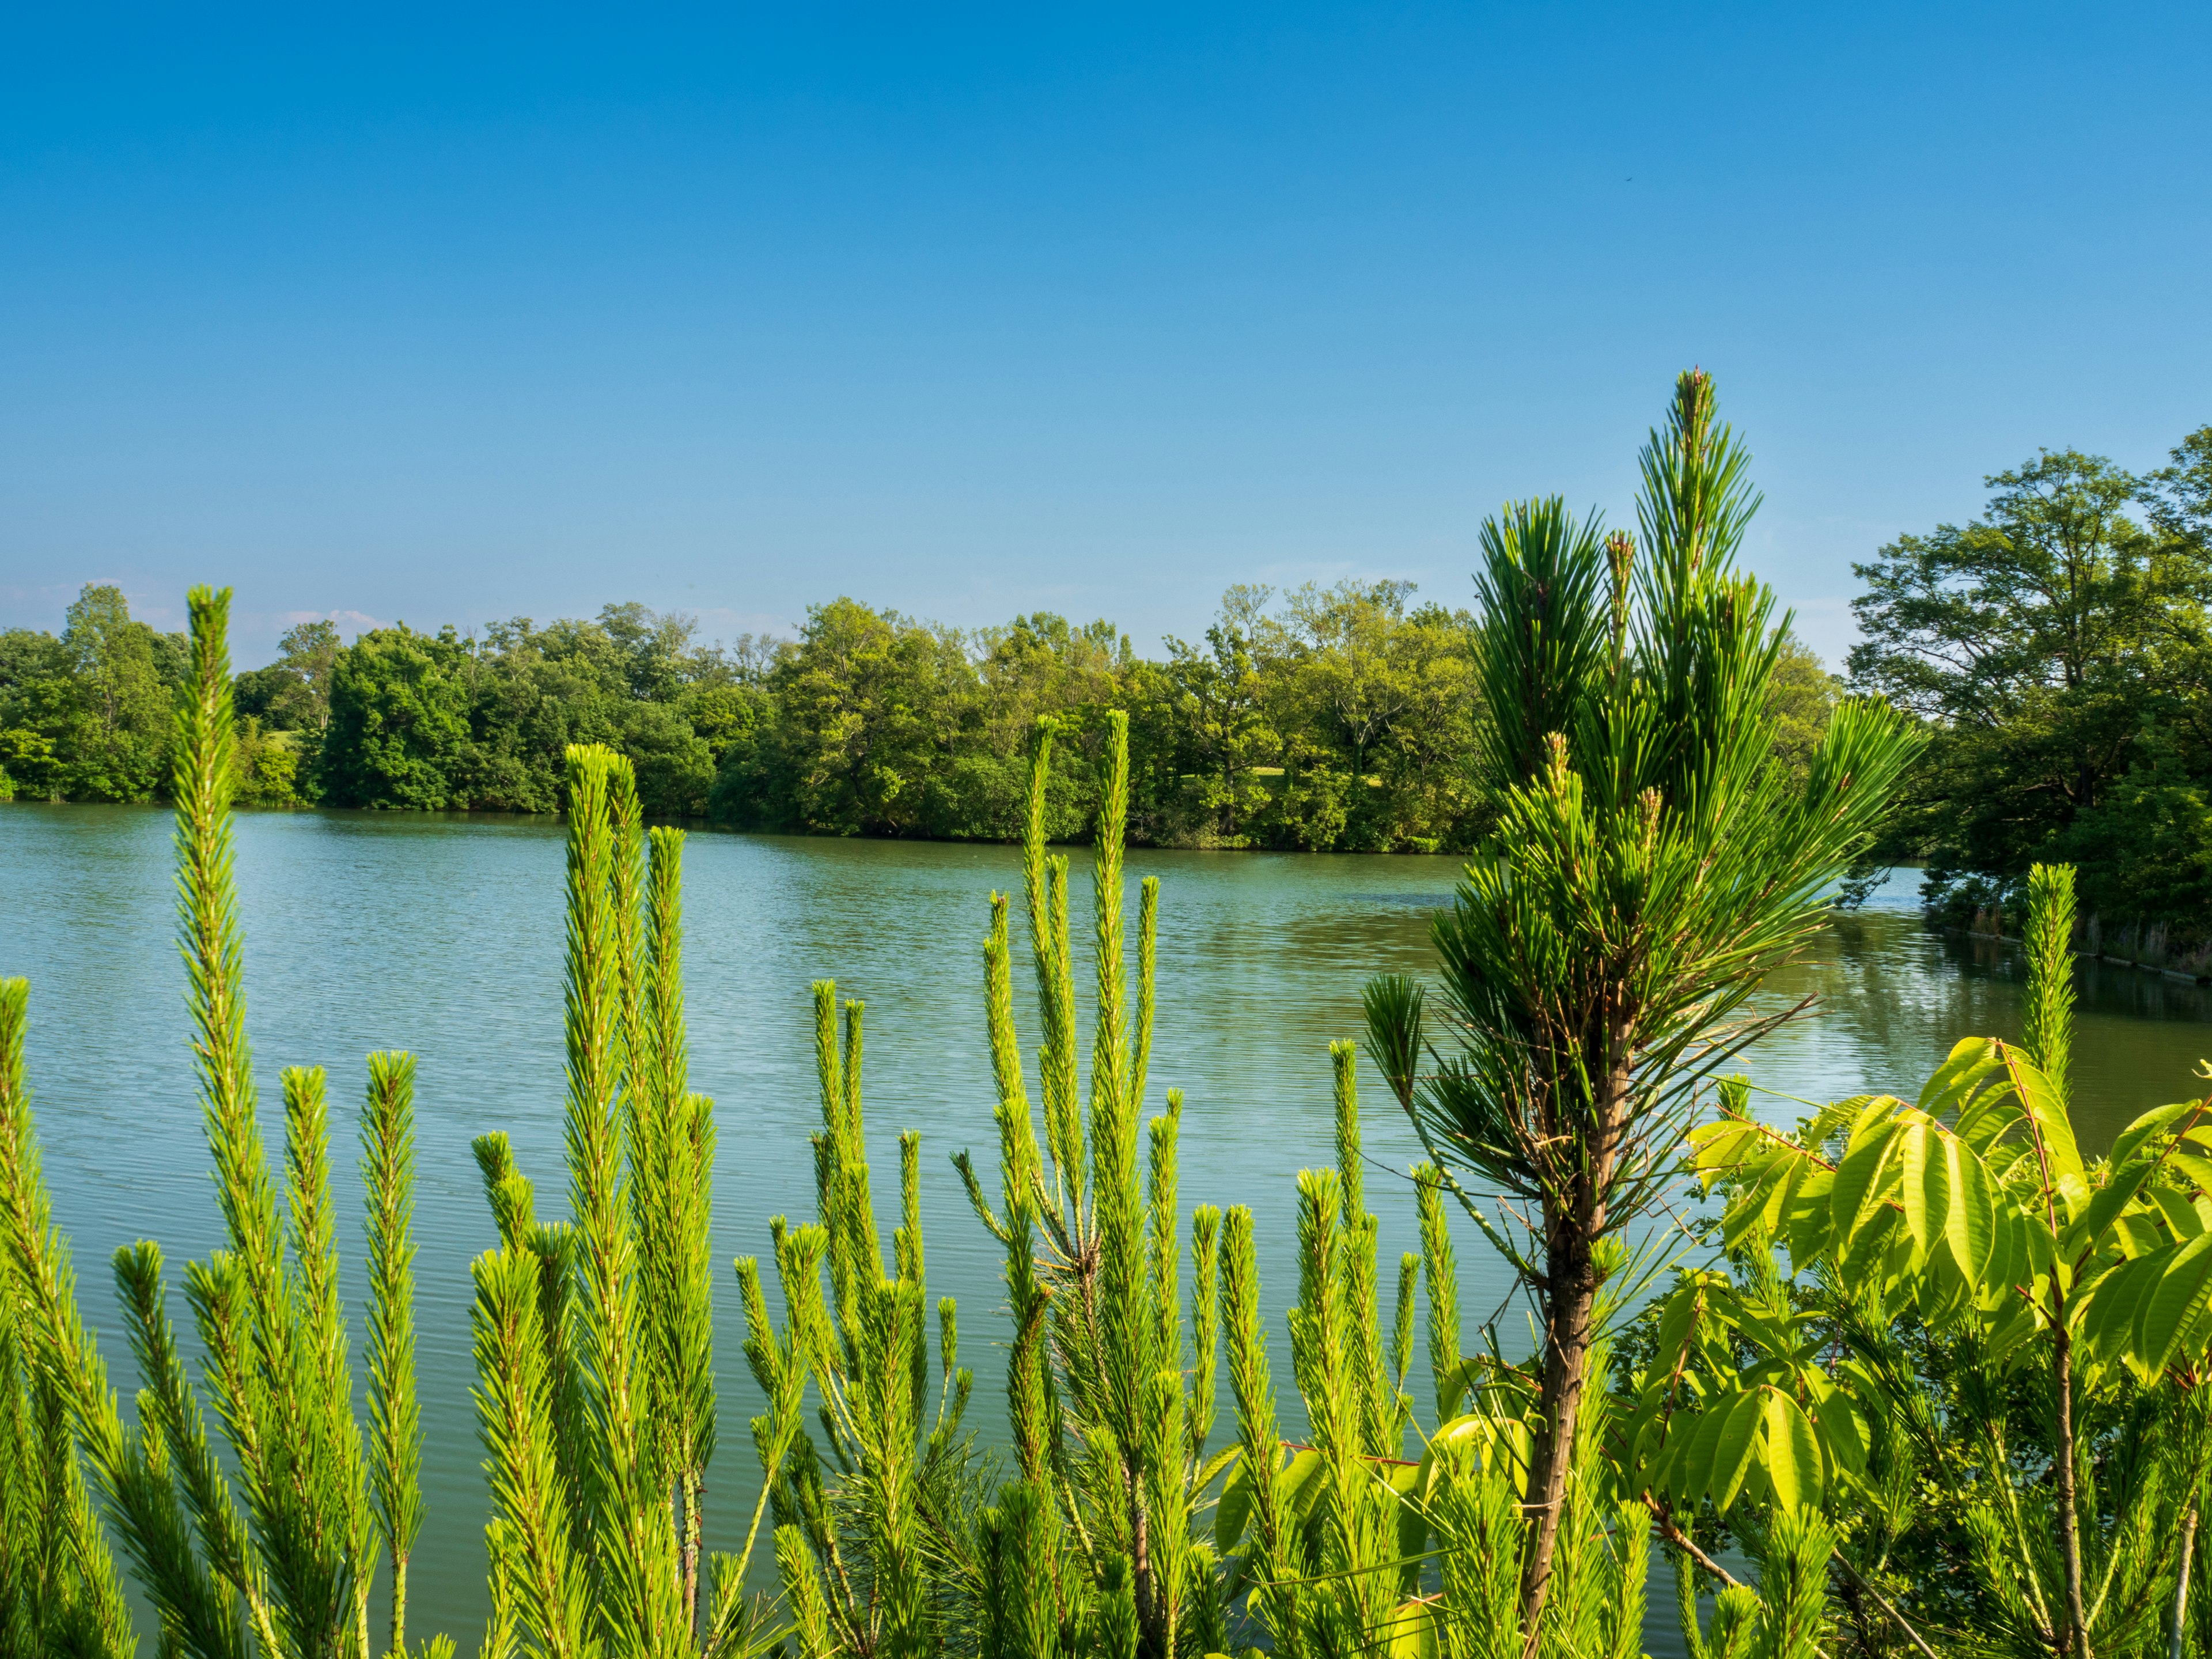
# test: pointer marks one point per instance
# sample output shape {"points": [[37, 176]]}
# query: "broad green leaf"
{"points": [[1860, 1179], [1969, 1224], [1691, 1448], [1755, 1209], [1405, 1482], [2111, 1199], [1840, 1428], [2160, 1119], [1411, 1631], [2181, 1214], [1793, 1453], [2193, 1167], [1722, 1148], [1230, 1514], [2171, 1321], [1484, 1433], [2008, 1257], [1835, 1119], [2104, 1315], [1971, 1060], [1925, 1189], [2016, 1324], [1301, 1484], [1228, 1457], [1735, 1448], [2137, 1233], [1679, 1317]]}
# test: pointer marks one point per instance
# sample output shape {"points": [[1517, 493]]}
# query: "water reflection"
{"points": [[1891, 996]]}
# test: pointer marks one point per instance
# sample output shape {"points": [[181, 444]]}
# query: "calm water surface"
{"points": [[443, 936]]}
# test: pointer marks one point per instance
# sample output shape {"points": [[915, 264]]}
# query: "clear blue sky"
{"points": [[444, 314]]}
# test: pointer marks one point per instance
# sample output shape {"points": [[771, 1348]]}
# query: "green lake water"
{"points": [[443, 935]]}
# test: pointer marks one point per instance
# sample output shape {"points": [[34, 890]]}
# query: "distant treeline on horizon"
{"points": [[1336, 719]]}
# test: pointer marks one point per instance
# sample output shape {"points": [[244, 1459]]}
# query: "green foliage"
{"points": [[1999, 1342], [595, 1395], [395, 1450], [294, 692], [1987, 1359], [1340, 724], [86, 716], [1598, 952], [2056, 647], [60, 1592], [1330, 720], [271, 1548], [399, 721], [882, 1554]]}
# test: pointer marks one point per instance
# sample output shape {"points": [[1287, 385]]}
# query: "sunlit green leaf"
{"points": [[2179, 1213], [2170, 1322], [2159, 1121], [1735, 1448]]}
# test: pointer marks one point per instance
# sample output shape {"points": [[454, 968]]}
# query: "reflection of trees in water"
{"points": [[1886, 997], [1893, 996], [1390, 932]]}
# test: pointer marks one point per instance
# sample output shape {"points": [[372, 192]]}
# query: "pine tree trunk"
{"points": [[2177, 1643], [1144, 1584], [2069, 1529], [693, 1489], [1573, 1224], [1565, 1360]]}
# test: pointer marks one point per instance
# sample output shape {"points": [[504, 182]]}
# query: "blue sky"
{"points": [[449, 313]]}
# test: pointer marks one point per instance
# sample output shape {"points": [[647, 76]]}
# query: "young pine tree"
{"points": [[595, 1393], [1110, 1393], [876, 1545], [1651, 864], [275, 1548]]}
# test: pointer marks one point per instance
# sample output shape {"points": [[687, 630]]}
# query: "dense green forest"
{"points": [[1336, 719], [2059, 649]]}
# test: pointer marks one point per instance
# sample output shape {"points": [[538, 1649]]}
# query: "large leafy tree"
{"points": [[1218, 697], [398, 724], [867, 706], [2043, 642], [1652, 862], [1378, 711], [110, 723]]}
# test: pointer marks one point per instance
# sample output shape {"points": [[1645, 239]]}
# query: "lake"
{"points": [[443, 935]]}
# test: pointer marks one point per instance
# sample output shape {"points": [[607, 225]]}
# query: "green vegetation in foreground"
{"points": [[2059, 648], [1967, 1414], [1335, 720]]}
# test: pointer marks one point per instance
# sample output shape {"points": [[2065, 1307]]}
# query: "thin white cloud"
{"points": [[358, 620], [721, 622]]}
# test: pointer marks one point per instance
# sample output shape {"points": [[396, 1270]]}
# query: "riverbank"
{"points": [[2145, 945]]}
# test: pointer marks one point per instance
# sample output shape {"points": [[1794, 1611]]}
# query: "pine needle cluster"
{"points": [[263, 1533], [595, 1393]]}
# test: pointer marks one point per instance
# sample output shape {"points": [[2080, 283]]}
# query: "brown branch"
{"points": [[1883, 1603], [1680, 1539]]}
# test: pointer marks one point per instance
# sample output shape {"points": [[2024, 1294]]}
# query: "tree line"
{"points": [[1336, 719]]}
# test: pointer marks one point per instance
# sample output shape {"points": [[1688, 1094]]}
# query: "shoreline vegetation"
{"points": [[2057, 649], [1336, 719]]}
